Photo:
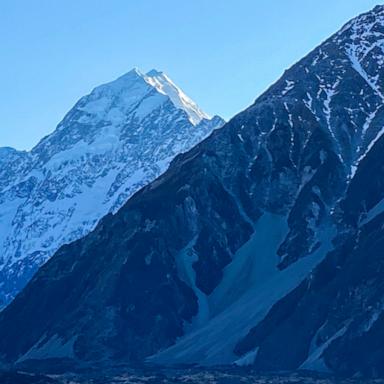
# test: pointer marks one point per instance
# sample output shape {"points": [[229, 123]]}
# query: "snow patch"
{"points": [[165, 85], [55, 347], [289, 86], [251, 285], [377, 210], [315, 361], [248, 359]]}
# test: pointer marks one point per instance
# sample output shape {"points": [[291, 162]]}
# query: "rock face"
{"points": [[261, 246], [334, 319], [113, 142]]}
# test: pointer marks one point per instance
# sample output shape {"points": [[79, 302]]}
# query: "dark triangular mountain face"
{"points": [[247, 249]]}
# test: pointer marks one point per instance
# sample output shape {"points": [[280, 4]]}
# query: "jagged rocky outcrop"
{"points": [[260, 246], [114, 141]]}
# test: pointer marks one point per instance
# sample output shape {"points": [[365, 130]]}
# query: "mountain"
{"points": [[114, 141], [261, 246]]}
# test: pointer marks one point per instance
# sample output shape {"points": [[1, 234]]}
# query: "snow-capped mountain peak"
{"points": [[111, 101], [166, 86], [144, 85], [133, 92], [111, 143]]}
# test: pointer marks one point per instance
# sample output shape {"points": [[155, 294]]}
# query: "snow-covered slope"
{"points": [[115, 140]]}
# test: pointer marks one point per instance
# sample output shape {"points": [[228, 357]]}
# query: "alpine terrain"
{"points": [[114, 141], [261, 246]]}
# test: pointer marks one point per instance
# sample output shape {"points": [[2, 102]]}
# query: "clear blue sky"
{"points": [[223, 53]]}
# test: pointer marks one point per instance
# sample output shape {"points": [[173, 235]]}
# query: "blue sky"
{"points": [[222, 53]]}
